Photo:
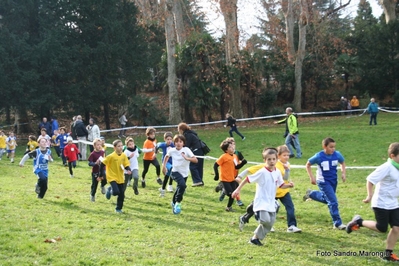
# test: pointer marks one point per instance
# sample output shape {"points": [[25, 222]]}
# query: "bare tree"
{"points": [[229, 10]]}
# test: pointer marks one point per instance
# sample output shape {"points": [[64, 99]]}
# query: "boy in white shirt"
{"points": [[267, 180], [181, 157], [384, 202]]}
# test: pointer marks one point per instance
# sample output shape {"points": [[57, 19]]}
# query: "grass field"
{"points": [[204, 233]]}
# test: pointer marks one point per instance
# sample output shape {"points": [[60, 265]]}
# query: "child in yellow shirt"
{"points": [[3, 145], [31, 145]]}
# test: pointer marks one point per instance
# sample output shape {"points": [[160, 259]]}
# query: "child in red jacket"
{"points": [[71, 153]]}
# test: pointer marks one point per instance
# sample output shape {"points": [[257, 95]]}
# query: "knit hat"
{"points": [[69, 139]]}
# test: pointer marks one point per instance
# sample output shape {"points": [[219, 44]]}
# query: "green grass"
{"points": [[203, 234]]}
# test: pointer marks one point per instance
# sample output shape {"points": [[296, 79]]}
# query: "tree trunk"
{"points": [[289, 27], [389, 7], [174, 105], [229, 10]]}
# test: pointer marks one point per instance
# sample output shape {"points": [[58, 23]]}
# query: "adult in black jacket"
{"points": [[81, 134], [194, 144]]}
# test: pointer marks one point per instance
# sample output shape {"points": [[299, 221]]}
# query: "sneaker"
{"points": [[128, 183], [161, 192], [307, 195], [159, 180], [123, 136], [292, 155], [340, 227], [198, 184], [241, 223], [222, 195], [92, 198], [243, 138], [354, 224], [240, 203], [103, 190], [119, 137], [177, 208], [118, 211], [136, 191], [219, 187], [37, 189], [71, 176], [12, 160], [170, 188], [229, 209], [143, 183], [255, 241], [392, 258], [108, 193], [272, 230], [293, 229]]}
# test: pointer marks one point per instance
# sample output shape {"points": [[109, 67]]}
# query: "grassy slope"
{"points": [[149, 234]]}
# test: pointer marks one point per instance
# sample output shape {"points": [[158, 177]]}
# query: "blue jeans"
{"points": [[327, 196], [373, 117], [118, 190], [180, 188], [289, 208], [289, 140], [234, 129], [197, 169]]}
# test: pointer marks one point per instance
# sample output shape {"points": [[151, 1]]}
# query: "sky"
{"points": [[248, 10]]}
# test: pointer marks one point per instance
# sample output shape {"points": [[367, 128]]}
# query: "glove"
{"points": [[216, 178], [80, 156]]}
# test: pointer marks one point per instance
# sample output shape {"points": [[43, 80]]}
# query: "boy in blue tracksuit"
{"points": [[165, 146], [62, 140], [326, 179], [41, 156]]}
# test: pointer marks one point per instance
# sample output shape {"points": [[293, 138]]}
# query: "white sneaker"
{"points": [[170, 188], [71, 176], [92, 198], [340, 227], [103, 190], [161, 192], [272, 230], [293, 229]]}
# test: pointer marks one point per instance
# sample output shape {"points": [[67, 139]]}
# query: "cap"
{"points": [[69, 139]]}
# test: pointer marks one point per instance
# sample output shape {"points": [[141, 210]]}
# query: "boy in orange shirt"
{"points": [[227, 162], [150, 157]]}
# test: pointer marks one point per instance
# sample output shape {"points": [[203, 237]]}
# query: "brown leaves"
{"points": [[53, 240]]}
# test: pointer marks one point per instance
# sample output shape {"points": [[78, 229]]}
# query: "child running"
{"points": [[41, 156], [116, 163], [150, 157], [267, 180], [71, 153], [55, 142], [181, 157], [231, 122], [326, 179], [3, 146], [384, 202], [31, 145], [43, 135], [133, 152], [228, 163], [11, 142], [62, 139], [242, 162], [283, 194], [165, 146], [94, 161]]}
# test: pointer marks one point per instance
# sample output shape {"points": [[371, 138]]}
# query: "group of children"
{"points": [[8, 145], [272, 179]]}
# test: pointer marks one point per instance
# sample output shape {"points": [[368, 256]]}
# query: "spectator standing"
{"points": [[122, 121], [372, 109], [45, 124], [355, 103], [81, 135], [54, 124], [291, 133], [94, 132], [194, 144]]}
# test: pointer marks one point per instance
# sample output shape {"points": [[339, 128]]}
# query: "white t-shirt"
{"points": [[266, 185], [180, 164], [134, 164], [386, 181]]}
